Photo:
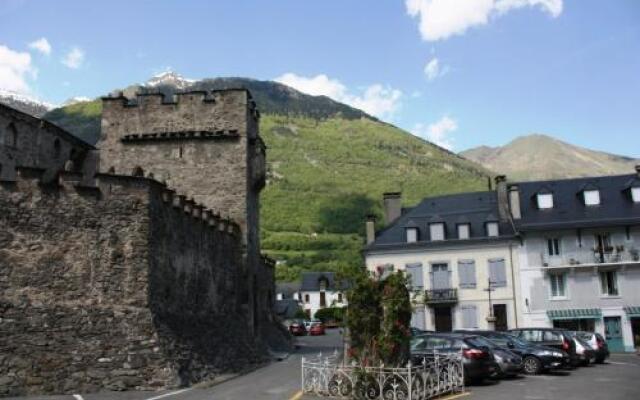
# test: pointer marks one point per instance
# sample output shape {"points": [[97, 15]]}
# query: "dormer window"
{"points": [[545, 200], [635, 194], [436, 231], [464, 231], [412, 235], [591, 197], [492, 229]]}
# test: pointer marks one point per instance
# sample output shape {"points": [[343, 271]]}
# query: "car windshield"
{"points": [[504, 340]]}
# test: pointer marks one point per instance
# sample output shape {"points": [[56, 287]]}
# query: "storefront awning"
{"points": [[632, 311], [575, 313]]}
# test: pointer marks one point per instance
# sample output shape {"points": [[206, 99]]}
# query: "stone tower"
{"points": [[207, 146]]}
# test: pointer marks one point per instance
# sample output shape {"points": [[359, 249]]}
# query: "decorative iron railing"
{"points": [[437, 375], [440, 296]]}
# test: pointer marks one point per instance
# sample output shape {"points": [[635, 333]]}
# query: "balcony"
{"points": [[591, 257], [441, 296]]}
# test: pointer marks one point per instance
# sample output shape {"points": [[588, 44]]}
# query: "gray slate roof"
{"points": [[311, 281], [287, 289], [569, 211], [286, 308], [474, 208]]}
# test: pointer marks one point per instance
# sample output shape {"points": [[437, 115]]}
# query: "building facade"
{"points": [[320, 290], [461, 256], [579, 259]]}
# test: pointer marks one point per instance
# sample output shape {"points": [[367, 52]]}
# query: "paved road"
{"points": [[619, 379]]}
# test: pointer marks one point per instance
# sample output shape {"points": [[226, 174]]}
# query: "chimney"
{"points": [[637, 167], [514, 201], [371, 228], [503, 200], [392, 206]]}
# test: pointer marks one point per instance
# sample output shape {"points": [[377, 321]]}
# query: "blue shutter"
{"points": [[469, 316], [467, 274], [417, 318]]}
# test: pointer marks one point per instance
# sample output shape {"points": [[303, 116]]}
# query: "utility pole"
{"points": [[491, 319]]}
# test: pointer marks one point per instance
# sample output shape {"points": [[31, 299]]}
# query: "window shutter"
{"points": [[417, 318], [467, 274], [497, 272], [469, 317], [415, 274]]}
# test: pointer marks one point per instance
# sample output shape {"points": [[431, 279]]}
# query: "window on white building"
{"points": [[635, 194], [464, 231], [306, 298], [412, 235], [437, 231], [558, 285], [492, 229], [339, 297], [591, 197], [467, 274], [416, 279], [545, 200], [497, 272], [609, 283], [469, 316], [553, 246]]}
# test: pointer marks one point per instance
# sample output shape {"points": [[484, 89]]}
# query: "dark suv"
{"points": [[477, 358], [550, 337], [535, 358]]}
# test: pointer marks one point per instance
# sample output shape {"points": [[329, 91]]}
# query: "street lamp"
{"points": [[491, 319]]}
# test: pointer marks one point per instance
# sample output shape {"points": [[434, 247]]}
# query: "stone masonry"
{"points": [[147, 274]]}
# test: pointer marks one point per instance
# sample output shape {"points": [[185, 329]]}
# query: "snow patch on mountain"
{"points": [[25, 103], [169, 78]]}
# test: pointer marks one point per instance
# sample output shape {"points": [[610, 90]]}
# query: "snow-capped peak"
{"points": [[25, 103], [169, 78]]}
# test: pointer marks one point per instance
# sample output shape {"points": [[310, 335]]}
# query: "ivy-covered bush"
{"points": [[378, 318]]}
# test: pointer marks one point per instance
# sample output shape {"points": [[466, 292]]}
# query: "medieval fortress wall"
{"points": [[146, 274]]}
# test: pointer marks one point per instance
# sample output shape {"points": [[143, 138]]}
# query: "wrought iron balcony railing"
{"points": [[589, 258], [441, 296]]}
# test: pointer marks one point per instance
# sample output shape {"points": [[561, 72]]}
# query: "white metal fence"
{"points": [[438, 374]]}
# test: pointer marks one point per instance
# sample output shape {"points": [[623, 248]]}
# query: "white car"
{"points": [[308, 324]]}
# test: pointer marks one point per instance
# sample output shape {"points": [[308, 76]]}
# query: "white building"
{"points": [[455, 248], [580, 255], [321, 290]]}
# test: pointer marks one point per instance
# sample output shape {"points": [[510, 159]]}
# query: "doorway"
{"points": [[613, 333], [500, 313], [444, 321]]}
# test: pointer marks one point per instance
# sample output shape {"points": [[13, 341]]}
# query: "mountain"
{"points": [[536, 157], [25, 103], [328, 165]]}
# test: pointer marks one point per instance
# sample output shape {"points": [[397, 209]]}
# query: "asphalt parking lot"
{"points": [[618, 379]]}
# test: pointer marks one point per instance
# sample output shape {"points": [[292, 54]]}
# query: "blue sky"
{"points": [[458, 72]]}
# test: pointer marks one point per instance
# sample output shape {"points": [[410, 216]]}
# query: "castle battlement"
{"points": [[112, 186]]}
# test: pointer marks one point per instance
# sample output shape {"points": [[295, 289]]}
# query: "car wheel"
{"points": [[531, 365]]}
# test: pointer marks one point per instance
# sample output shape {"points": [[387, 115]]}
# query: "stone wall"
{"points": [[207, 146], [120, 286], [32, 142]]}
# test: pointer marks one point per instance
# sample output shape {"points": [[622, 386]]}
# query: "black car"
{"points": [[551, 337], [535, 358], [477, 359], [509, 363]]}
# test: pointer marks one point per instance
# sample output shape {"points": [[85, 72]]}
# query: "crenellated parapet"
{"points": [[111, 186]]}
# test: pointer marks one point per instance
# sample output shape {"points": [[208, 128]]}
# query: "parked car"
{"points": [[477, 359], [308, 323], [586, 354], [551, 337], [597, 343], [535, 358], [509, 363], [316, 329], [297, 328], [418, 332]]}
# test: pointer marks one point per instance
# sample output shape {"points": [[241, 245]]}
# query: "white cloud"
{"points": [[440, 19], [376, 99], [434, 70], [15, 69], [42, 45], [74, 58], [439, 132]]}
